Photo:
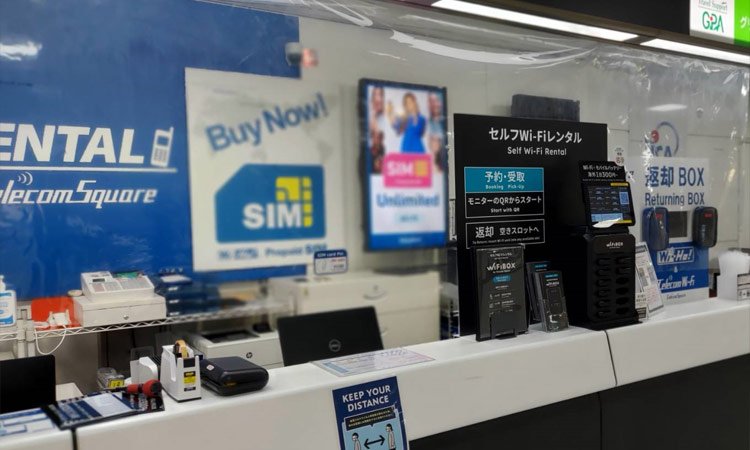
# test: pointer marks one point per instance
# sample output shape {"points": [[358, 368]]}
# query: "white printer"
{"points": [[262, 349], [117, 297], [408, 306]]}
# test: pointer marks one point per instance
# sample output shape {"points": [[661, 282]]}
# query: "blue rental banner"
{"points": [[93, 146], [369, 416]]}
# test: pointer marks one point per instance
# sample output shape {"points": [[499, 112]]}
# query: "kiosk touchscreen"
{"points": [[608, 204]]}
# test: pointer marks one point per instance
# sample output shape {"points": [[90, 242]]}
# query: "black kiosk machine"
{"points": [[526, 195], [600, 257]]}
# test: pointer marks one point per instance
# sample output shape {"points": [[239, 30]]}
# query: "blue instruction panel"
{"points": [[504, 191], [369, 416]]}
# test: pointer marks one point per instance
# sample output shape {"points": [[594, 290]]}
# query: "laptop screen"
{"points": [[312, 337]]}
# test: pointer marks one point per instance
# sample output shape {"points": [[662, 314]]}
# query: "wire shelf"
{"points": [[253, 308]]}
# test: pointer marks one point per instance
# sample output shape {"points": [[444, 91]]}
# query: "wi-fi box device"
{"points": [[656, 227], [499, 277], [531, 269], [232, 375], [705, 226]]}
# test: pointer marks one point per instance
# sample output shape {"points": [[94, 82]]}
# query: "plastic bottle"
{"points": [[7, 305]]}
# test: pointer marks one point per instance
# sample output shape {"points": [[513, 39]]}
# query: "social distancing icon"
{"points": [[369, 416]]}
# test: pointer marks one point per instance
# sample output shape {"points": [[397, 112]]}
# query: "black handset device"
{"points": [[656, 227], [705, 226]]}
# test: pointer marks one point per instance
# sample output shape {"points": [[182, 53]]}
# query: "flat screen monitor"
{"points": [[404, 157], [312, 337]]}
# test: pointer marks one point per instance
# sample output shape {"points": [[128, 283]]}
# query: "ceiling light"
{"points": [[535, 21], [697, 50], [667, 107]]}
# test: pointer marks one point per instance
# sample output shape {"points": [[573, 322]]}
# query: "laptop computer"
{"points": [[27, 383], [312, 337]]}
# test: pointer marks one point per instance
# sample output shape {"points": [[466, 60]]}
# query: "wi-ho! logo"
{"points": [[271, 202], [675, 255]]}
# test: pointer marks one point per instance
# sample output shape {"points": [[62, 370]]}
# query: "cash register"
{"points": [[118, 297]]}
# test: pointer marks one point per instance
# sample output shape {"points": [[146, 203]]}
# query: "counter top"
{"points": [[684, 335], [296, 409], [47, 440], [467, 382]]}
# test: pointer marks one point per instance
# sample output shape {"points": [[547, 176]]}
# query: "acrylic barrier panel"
{"points": [[680, 117], [662, 111]]}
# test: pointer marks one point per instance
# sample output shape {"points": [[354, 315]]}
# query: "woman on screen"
{"points": [[410, 125]]}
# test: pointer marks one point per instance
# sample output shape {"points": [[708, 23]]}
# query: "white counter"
{"points": [[468, 382], [46, 440], [685, 335]]}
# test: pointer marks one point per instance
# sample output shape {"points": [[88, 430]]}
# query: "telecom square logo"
{"points": [[265, 202]]}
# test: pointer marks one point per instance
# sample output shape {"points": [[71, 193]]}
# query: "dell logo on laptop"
{"points": [[334, 345]]}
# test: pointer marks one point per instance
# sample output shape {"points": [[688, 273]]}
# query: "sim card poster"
{"points": [[266, 164], [405, 159], [93, 146]]}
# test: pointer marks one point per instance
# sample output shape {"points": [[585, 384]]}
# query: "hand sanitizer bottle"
{"points": [[7, 305]]}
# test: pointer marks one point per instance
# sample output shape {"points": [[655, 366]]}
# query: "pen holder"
{"points": [[180, 377]]}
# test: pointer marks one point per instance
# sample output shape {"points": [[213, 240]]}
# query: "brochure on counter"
{"points": [[345, 366]]}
